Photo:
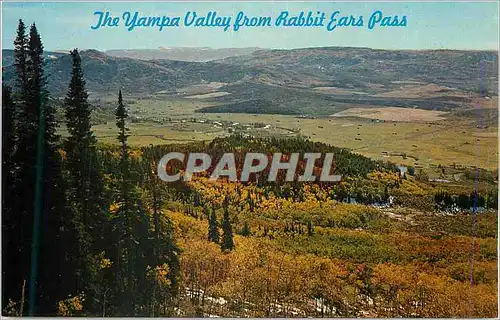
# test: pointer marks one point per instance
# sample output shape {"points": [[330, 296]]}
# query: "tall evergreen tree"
{"points": [[121, 261], [121, 116], [34, 245], [49, 205], [227, 232], [17, 248], [213, 227], [77, 110], [132, 228], [86, 187], [21, 59], [18, 201]]}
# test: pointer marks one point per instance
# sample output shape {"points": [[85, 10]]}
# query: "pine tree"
{"points": [[245, 231], [309, 228], [386, 193], [227, 232], [18, 230], [42, 187], [123, 233], [206, 213], [21, 59], [213, 227], [77, 110], [86, 187], [131, 229], [121, 115]]}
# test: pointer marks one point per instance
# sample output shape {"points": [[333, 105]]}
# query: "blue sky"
{"points": [[431, 25]]}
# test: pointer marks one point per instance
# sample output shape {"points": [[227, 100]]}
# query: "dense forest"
{"points": [[89, 229], [62, 244]]}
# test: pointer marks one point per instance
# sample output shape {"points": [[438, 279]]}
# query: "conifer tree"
{"points": [[21, 59], [18, 229], [213, 227], [131, 229], [309, 228], [245, 231], [227, 232], [121, 116], [42, 187], [206, 212], [386, 193], [123, 233], [77, 110], [86, 187]]}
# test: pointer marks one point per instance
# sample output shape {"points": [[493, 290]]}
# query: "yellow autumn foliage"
{"points": [[72, 306], [113, 208]]}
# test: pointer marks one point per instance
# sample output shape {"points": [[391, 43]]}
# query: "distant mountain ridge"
{"points": [[106, 74], [316, 81], [201, 54], [8, 56]]}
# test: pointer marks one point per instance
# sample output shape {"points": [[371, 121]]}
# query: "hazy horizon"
{"points": [[431, 26], [258, 48]]}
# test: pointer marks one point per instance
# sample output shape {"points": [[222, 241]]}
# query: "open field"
{"points": [[422, 142], [393, 114], [151, 133], [335, 90], [201, 88], [209, 95], [409, 90]]}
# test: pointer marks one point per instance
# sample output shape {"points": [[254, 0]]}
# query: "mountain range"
{"points": [[196, 54], [298, 81]]}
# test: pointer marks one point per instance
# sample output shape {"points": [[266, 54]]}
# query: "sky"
{"points": [[430, 25]]}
